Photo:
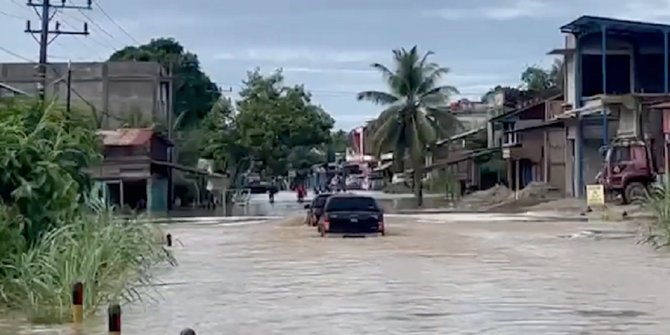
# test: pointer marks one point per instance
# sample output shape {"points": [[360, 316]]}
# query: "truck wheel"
{"points": [[635, 192]]}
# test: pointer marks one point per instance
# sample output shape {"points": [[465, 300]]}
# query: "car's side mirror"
{"points": [[307, 206]]}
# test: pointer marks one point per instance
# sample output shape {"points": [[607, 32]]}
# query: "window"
{"points": [[509, 136], [346, 204]]}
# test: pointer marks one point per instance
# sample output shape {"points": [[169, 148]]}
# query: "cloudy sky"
{"points": [[328, 44]]}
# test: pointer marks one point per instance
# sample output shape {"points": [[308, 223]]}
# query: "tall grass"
{"points": [[658, 203], [52, 231], [108, 255]]}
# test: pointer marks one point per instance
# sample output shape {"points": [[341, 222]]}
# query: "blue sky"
{"points": [[329, 44]]}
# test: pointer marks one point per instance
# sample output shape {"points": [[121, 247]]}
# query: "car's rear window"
{"points": [[343, 204], [320, 201]]}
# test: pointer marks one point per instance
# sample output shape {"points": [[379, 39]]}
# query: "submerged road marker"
{"points": [[78, 303], [114, 318]]}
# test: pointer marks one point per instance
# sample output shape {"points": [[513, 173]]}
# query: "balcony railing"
{"points": [[511, 138]]}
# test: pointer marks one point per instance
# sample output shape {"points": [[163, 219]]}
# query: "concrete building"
{"points": [[135, 94], [615, 70], [533, 144], [471, 114]]}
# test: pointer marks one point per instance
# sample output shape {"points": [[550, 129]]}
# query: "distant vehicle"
{"points": [[259, 187], [315, 209], [351, 214]]}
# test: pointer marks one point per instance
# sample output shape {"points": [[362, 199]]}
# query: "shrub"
{"points": [[43, 156], [658, 203], [108, 255]]}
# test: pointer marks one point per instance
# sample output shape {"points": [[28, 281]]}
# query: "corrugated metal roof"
{"points": [[126, 137]]}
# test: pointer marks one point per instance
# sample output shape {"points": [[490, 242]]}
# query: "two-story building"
{"points": [[615, 70], [533, 143]]}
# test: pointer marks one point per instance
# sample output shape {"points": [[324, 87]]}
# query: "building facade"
{"points": [[136, 94]]}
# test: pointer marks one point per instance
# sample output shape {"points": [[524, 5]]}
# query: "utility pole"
{"points": [[68, 102], [47, 35]]}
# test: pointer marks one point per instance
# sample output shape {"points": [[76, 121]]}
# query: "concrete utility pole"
{"points": [[45, 14]]}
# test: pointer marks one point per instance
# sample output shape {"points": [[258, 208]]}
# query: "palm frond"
{"points": [[386, 135], [380, 98], [388, 75], [431, 80]]}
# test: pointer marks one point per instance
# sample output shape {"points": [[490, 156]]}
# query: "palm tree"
{"points": [[415, 111]]}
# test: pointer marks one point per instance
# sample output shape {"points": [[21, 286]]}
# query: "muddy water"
{"points": [[470, 275]]}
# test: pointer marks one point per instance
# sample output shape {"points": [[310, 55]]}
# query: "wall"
{"points": [[532, 146], [157, 192], [571, 70], [114, 89], [556, 159], [126, 169]]}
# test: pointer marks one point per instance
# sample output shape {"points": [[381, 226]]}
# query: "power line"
{"points": [[336, 92], [102, 10], [14, 16], [103, 30], [102, 43], [15, 54], [46, 13]]}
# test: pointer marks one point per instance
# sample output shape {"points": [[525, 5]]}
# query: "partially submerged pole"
{"points": [[114, 318], [77, 303]]}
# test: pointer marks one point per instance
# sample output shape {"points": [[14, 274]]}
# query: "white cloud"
{"points": [[287, 54], [311, 70], [459, 78], [510, 10], [644, 10]]}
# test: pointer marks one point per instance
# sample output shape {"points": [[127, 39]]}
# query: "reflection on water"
{"points": [[425, 277]]}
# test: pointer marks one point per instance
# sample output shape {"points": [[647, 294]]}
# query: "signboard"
{"points": [[595, 195], [506, 153]]}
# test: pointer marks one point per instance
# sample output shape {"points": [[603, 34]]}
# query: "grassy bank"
{"points": [[658, 203], [54, 228]]}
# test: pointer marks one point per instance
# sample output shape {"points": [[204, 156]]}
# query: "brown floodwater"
{"points": [[433, 274]]}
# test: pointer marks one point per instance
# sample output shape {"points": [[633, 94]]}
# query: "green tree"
{"points": [[557, 73], [536, 79], [195, 93], [273, 119], [415, 111], [221, 141], [338, 144]]}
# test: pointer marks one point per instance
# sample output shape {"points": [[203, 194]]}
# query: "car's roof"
{"points": [[323, 195], [350, 195]]}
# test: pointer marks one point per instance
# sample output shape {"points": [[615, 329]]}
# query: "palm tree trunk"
{"points": [[417, 183]]}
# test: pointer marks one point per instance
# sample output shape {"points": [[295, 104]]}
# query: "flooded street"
{"points": [[432, 274]]}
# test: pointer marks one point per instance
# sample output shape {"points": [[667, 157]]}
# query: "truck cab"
{"points": [[628, 170]]}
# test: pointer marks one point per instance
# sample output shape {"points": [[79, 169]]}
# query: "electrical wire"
{"points": [[14, 16], [84, 41], [103, 30], [16, 55], [102, 10], [336, 92]]}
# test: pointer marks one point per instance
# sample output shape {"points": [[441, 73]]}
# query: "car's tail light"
{"points": [[381, 223], [326, 224]]}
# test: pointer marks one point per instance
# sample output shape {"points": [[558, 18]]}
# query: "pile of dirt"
{"points": [[480, 200], [537, 191]]}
